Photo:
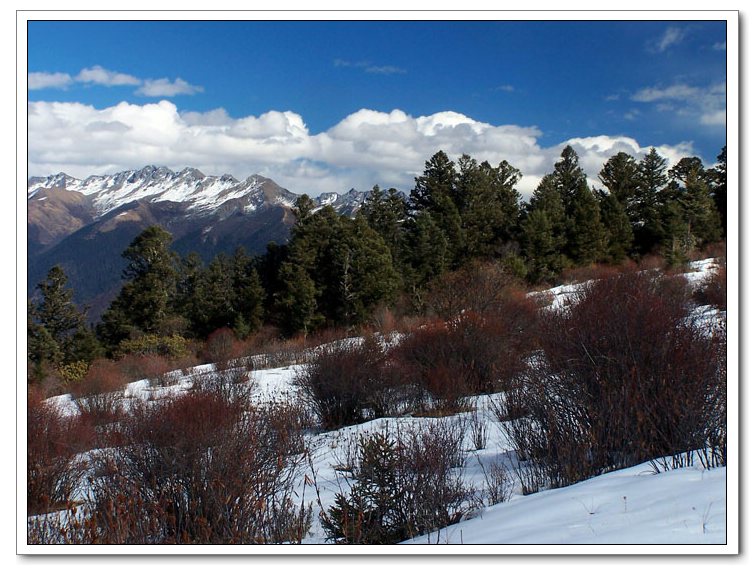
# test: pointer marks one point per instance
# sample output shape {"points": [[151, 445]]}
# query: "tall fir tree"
{"points": [[644, 208], [145, 304], [618, 228], [718, 187]]}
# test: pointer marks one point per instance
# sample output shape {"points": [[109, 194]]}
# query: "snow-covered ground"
{"points": [[635, 506]]}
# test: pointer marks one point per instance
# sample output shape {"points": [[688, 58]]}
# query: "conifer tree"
{"points": [[718, 187], [56, 327], [644, 208], [386, 212], [541, 247], [145, 302], [586, 235], [618, 228], [434, 193], [621, 177]]}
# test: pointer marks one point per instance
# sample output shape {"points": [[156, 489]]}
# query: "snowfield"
{"points": [[667, 511]]}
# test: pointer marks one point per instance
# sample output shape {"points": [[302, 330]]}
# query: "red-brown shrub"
{"points": [[469, 354], [713, 290], [53, 469], [479, 288], [623, 378], [343, 384], [198, 468]]}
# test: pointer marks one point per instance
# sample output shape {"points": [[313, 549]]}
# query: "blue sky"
{"points": [[325, 106]]}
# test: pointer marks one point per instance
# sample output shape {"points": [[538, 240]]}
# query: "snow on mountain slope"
{"points": [[189, 186]]}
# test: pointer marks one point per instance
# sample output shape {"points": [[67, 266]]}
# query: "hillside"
{"points": [[652, 503]]}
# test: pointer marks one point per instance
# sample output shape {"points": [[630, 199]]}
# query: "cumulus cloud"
{"points": [[165, 88], [103, 77], [366, 148], [42, 80]]}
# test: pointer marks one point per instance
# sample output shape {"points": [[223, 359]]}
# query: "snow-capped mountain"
{"points": [[159, 184], [86, 224]]}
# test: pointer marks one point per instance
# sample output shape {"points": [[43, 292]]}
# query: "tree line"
{"points": [[335, 271]]}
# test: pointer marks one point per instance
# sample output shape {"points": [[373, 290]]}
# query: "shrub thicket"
{"points": [[54, 468], [350, 381], [201, 467], [623, 377]]}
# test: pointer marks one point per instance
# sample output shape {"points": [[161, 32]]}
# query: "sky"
{"points": [[329, 106]]}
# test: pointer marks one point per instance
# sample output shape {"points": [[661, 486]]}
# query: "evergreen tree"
{"points": [[56, 328], [427, 252], [621, 177], [692, 191], [718, 187], [144, 304], [541, 246], [434, 193], [644, 208], [586, 236], [549, 201], [618, 228], [296, 301], [386, 213], [56, 311], [490, 206]]}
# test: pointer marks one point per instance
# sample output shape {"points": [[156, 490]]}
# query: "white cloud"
{"points": [[719, 46], [505, 88], [42, 80], [156, 88], [369, 68], [366, 148], [675, 92], [165, 88], [670, 37], [103, 77], [706, 103]]}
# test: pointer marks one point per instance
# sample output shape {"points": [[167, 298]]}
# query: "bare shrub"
{"points": [[470, 354], [498, 483], [713, 290], [197, 468], [402, 487], [344, 384], [623, 378], [233, 383], [481, 288], [53, 469], [478, 430]]}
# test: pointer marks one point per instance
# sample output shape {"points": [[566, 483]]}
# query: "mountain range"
{"points": [[84, 225]]}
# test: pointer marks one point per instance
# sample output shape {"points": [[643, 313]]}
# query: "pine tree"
{"points": [[296, 302], [541, 247], [621, 177], [586, 234], [644, 209], [145, 302], [434, 193], [387, 213], [698, 206], [56, 327], [618, 228], [56, 311], [718, 187]]}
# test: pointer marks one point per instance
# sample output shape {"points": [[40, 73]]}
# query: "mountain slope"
{"points": [[85, 225]]}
